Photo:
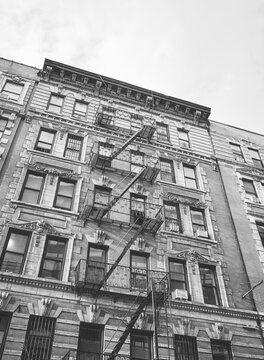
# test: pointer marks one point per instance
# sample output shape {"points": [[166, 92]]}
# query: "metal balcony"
{"points": [[74, 355], [89, 275]]}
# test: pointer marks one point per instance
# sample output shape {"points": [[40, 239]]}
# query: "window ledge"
{"points": [[48, 155], [185, 188], [40, 207], [189, 237]]}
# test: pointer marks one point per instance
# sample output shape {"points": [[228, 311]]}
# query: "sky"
{"points": [[209, 52]]}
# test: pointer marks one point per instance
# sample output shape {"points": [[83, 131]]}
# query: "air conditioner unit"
{"points": [[201, 233], [179, 294]]}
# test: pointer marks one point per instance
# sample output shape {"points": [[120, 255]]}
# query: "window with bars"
{"points": [[139, 270], [178, 275], [12, 89], [185, 347], [39, 338], [45, 140], [167, 170], [73, 147], [256, 158], [198, 222], [80, 109], [5, 319], [53, 258], [96, 264], [137, 209], [15, 250], [183, 138], [190, 176], [140, 345], [172, 217], [250, 190], [137, 160], [32, 188], [64, 194], [162, 132], [221, 350], [209, 285], [260, 227], [237, 152], [55, 103], [90, 342]]}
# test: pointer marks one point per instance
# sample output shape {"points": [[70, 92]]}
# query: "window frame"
{"points": [[237, 152], [24, 187], [6, 92], [260, 228], [36, 320], [79, 114], [165, 173], [72, 150], [183, 142], [251, 194], [45, 257], [214, 287], [83, 330], [186, 347], [60, 107], [8, 317], [93, 266], [194, 178], [140, 334], [134, 166], [174, 221], [200, 227], [139, 218], [61, 179], [139, 273], [257, 161], [24, 255], [162, 135], [51, 131], [184, 273], [224, 343]]}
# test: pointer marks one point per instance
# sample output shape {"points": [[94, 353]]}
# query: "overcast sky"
{"points": [[206, 51]]}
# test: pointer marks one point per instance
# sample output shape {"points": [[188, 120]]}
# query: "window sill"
{"points": [[40, 207], [49, 155], [181, 187], [6, 98], [188, 237]]}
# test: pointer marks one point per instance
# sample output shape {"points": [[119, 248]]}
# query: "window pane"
{"points": [[17, 242], [51, 269], [46, 137], [221, 350], [140, 346], [90, 342], [197, 217], [56, 100], [183, 135], [30, 196], [66, 188], [139, 261], [63, 202], [55, 249], [249, 186], [12, 262], [34, 181]]}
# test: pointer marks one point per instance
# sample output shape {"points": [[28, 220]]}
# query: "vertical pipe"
{"points": [[156, 345]]}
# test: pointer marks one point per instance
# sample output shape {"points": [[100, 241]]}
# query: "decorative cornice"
{"points": [[39, 226], [193, 256], [257, 174], [190, 202], [51, 171]]}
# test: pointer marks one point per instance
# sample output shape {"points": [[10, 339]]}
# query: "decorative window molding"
{"points": [[69, 174], [39, 226]]}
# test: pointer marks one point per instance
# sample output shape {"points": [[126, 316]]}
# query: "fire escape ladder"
{"points": [[123, 252], [116, 198], [130, 325]]}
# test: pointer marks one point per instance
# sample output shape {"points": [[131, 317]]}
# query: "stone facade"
{"points": [[112, 195]]}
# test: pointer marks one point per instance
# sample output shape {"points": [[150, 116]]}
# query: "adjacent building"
{"points": [[132, 226]]}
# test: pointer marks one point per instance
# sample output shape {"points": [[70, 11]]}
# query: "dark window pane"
{"points": [[140, 346], [90, 342], [5, 319], [221, 350], [53, 259], [185, 347], [209, 285]]}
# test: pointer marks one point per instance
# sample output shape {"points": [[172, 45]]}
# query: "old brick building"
{"points": [[132, 226]]}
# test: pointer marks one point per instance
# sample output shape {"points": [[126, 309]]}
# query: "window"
{"points": [[136, 122], [183, 138], [162, 132], [137, 161], [101, 196], [250, 190], [32, 188], [255, 158], [15, 250], [5, 319], [13, 90], [140, 345], [178, 275], [167, 170], [64, 194], [96, 264], [139, 270], [45, 140], [190, 176], [237, 152], [55, 103], [80, 109], [73, 147], [185, 347], [172, 217], [198, 222], [104, 152], [260, 228], [209, 285], [90, 342], [137, 209], [39, 338], [221, 350], [53, 258]]}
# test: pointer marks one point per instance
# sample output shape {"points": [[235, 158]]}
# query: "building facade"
{"points": [[132, 226]]}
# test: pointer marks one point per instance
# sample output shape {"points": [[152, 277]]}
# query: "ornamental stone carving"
{"points": [[51, 171], [190, 202], [39, 226], [193, 256]]}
